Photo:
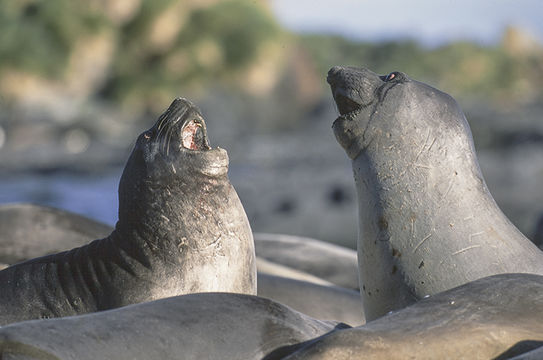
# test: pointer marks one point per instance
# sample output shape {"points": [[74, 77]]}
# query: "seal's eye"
{"points": [[391, 76], [147, 135]]}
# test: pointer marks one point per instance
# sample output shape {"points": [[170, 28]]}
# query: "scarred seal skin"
{"points": [[181, 229], [427, 222]]}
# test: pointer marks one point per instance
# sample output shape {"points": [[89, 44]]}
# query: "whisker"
{"points": [[161, 125], [161, 120], [169, 133]]}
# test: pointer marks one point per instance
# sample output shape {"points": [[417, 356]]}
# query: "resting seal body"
{"points": [[28, 231], [496, 317], [320, 301], [427, 222], [194, 326], [181, 229]]}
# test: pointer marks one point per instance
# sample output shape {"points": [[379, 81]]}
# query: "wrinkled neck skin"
{"points": [[165, 198], [427, 222]]}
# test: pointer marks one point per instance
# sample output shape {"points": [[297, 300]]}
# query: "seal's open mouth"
{"points": [[181, 128], [193, 135]]}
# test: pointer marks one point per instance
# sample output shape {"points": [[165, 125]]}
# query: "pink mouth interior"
{"points": [[188, 135]]}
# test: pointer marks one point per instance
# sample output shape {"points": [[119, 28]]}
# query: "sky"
{"points": [[431, 22]]}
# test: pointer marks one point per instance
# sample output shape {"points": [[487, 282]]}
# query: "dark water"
{"points": [[92, 196]]}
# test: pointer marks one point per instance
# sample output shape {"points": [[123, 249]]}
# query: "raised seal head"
{"points": [[372, 105], [427, 221], [182, 229], [175, 193], [175, 148]]}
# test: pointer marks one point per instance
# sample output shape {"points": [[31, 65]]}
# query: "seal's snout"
{"points": [[338, 78], [182, 127], [333, 75]]}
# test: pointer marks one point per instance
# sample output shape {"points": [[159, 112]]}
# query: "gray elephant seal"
{"points": [[195, 326], [496, 317], [28, 231], [320, 301], [181, 229], [333, 263], [427, 222]]}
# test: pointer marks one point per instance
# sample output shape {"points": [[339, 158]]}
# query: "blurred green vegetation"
{"points": [[154, 50], [212, 43], [38, 36], [499, 73], [160, 49]]}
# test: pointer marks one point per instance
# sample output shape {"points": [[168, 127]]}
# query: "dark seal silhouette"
{"points": [[427, 220], [181, 229]]}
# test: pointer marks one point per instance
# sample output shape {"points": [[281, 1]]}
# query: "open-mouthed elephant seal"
{"points": [[427, 222], [181, 229], [195, 326]]}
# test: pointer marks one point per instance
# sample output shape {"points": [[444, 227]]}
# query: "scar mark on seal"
{"points": [[422, 242], [449, 188], [466, 249], [471, 236], [423, 146], [432, 144]]}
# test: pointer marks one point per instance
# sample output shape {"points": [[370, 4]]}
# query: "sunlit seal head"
{"points": [[174, 150], [182, 229], [362, 100], [175, 147]]}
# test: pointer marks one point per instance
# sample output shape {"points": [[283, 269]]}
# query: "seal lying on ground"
{"points": [[485, 319], [28, 231], [492, 318], [181, 229], [334, 263], [196, 326], [427, 221], [320, 301]]}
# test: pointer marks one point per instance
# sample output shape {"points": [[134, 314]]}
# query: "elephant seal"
{"points": [[333, 263], [29, 230], [195, 326], [181, 229], [427, 222], [496, 317], [320, 301]]}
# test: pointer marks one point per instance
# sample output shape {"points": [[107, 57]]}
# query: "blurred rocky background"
{"points": [[80, 79]]}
